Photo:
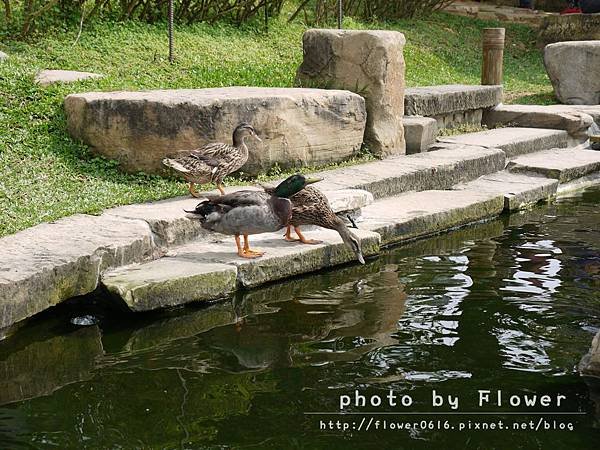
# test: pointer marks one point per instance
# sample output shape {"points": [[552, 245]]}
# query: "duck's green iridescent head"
{"points": [[292, 185]]}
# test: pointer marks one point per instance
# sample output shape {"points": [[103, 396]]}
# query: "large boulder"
{"points": [[298, 127], [573, 68], [370, 63]]}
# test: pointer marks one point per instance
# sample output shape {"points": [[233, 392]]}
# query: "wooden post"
{"points": [[493, 54]]}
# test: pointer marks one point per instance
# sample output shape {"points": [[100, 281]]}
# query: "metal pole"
{"points": [[340, 14], [267, 16], [171, 55]]}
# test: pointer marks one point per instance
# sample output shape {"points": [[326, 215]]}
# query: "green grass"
{"points": [[45, 175]]}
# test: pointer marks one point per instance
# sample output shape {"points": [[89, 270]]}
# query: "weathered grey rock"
{"points": [[417, 214], [448, 100], [46, 264], [573, 69], [519, 190], [513, 141], [561, 164], [298, 127], [569, 27], [170, 282], [48, 77], [431, 170], [3, 56], [590, 363], [419, 132], [370, 63], [576, 123]]}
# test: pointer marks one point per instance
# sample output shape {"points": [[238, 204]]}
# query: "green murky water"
{"points": [[509, 305]]}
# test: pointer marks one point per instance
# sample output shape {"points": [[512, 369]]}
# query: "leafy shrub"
{"points": [[323, 11], [22, 16]]}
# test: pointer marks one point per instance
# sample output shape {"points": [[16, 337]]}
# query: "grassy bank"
{"points": [[44, 175]]}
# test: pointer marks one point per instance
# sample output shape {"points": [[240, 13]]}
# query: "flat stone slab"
{"points": [[561, 164], [419, 214], [590, 363], [170, 282], [48, 77], [574, 122], [203, 271], [169, 225], [419, 132], [52, 262], [298, 127], [513, 141], [432, 170], [431, 101], [519, 190], [592, 110]]}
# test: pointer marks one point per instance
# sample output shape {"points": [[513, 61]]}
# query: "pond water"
{"points": [[507, 305]]}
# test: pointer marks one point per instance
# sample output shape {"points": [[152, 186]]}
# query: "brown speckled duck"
{"points": [[311, 207], [213, 162]]}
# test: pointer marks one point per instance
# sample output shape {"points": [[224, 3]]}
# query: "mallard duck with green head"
{"points": [[213, 162], [246, 212], [311, 207]]}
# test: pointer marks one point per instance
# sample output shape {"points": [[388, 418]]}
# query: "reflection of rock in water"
{"points": [[43, 367]]}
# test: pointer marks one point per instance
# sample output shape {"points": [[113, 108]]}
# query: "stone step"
{"points": [[202, 270], [513, 141], [452, 104], [519, 190], [424, 171], [554, 163], [209, 270], [557, 117]]}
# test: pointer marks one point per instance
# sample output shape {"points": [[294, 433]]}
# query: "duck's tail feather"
{"points": [[205, 208], [175, 165]]}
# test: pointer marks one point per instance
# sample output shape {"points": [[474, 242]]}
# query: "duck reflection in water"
{"points": [[341, 324]]}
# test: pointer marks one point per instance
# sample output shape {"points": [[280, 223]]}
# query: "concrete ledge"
{"points": [[432, 101], [46, 264], [170, 282], [282, 259], [519, 191], [432, 170], [555, 164], [512, 141], [419, 214]]}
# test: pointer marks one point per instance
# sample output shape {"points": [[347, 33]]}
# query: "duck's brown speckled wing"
{"points": [[210, 163], [310, 207]]}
